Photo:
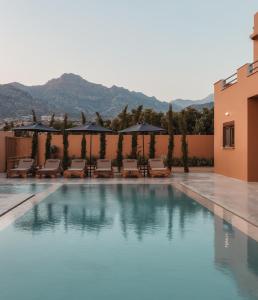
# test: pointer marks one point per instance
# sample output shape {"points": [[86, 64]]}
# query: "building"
{"points": [[236, 120]]}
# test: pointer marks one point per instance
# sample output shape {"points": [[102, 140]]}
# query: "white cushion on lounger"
{"points": [[131, 169], [103, 169]]}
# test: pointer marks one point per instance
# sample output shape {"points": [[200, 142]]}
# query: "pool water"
{"points": [[125, 242]]}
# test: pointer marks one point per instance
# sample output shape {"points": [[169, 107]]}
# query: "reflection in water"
{"points": [[143, 208], [141, 211], [237, 253]]}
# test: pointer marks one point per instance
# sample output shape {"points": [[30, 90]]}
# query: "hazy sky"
{"points": [[167, 48]]}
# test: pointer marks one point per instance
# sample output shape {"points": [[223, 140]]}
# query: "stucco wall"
{"points": [[199, 145], [238, 102], [231, 104], [3, 135]]}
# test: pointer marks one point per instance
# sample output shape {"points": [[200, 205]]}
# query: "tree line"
{"points": [[188, 121]]}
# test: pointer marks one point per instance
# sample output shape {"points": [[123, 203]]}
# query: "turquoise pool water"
{"points": [[125, 242]]}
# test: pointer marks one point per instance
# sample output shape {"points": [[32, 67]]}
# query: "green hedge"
{"points": [[194, 162]]}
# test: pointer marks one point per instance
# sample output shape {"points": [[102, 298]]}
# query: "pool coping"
{"points": [[21, 208], [19, 201], [238, 221]]}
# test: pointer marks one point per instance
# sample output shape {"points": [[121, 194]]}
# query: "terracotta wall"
{"points": [[255, 37], [199, 145], [231, 104], [23, 146], [238, 102], [252, 139], [3, 135]]}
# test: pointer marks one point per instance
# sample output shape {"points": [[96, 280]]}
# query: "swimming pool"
{"points": [[125, 242]]}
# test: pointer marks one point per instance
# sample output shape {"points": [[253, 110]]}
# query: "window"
{"points": [[229, 135]]}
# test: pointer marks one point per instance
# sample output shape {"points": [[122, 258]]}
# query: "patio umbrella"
{"points": [[143, 128], [90, 128], [36, 128]]}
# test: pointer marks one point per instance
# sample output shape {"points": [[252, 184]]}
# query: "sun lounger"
{"points": [[103, 169], [25, 167], [77, 169], [52, 168], [157, 168], [130, 168]]}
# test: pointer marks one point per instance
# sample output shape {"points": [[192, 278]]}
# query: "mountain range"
{"points": [[72, 94]]}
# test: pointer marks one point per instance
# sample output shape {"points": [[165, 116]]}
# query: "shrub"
{"points": [[193, 162]]}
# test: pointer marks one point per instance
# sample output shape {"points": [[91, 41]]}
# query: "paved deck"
{"points": [[236, 196], [8, 202]]}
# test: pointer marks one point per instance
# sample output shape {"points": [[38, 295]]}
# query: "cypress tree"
{"points": [[184, 145], [49, 138], [134, 145], [137, 117], [170, 137], [102, 149], [152, 146], [34, 147], [123, 124], [83, 142], [34, 117], [119, 156], [65, 143]]}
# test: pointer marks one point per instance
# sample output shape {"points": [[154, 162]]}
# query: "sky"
{"points": [[168, 48]]}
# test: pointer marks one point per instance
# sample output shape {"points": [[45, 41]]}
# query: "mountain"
{"points": [[72, 94], [180, 104], [200, 107], [15, 102]]}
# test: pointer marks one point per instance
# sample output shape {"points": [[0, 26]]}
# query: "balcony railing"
{"points": [[230, 80], [253, 67]]}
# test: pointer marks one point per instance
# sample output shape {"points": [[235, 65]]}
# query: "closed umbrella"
{"points": [[142, 128], [90, 128]]}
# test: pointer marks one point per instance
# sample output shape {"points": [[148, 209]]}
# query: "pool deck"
{"points": [[10, 201], [236, 197]]}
